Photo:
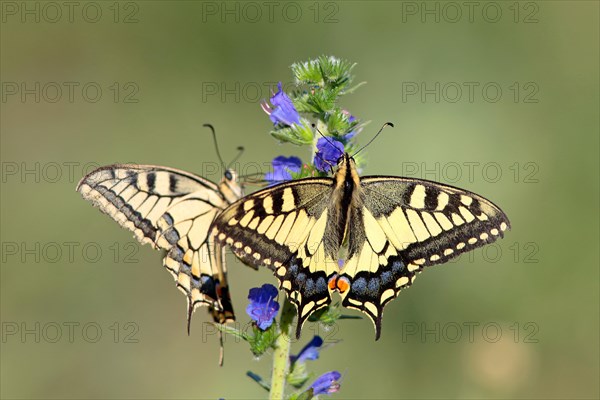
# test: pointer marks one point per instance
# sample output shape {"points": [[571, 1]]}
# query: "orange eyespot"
{"points": [[332, 283], [343, 285]]}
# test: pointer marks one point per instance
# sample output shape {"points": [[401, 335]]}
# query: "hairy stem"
{"points": [[281, 356]]}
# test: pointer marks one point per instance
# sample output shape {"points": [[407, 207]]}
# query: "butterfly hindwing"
{"points": [[286, 229], [172, 210], [405, 225]]}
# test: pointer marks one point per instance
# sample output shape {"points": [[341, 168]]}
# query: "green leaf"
{"points": [[262, 340], [296, 134], [325, 72], [354, 88], [298, 375], [306, 395]]}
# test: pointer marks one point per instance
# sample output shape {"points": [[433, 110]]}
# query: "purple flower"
{"points": [[284, 111], [310, 351], [326, 383], [328, 152], [282, 168], [349, 136], [353, 133], [263, 308]]}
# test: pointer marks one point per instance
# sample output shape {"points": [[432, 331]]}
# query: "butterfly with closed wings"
{"points": [[172, 210], [384, 229]]}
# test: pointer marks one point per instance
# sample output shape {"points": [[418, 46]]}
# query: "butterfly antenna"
{"points": [[212, 129], [374, 137], [255, 178], [328, 141], [240, 152]]}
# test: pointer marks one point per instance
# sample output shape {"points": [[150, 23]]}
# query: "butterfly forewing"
{"points": [[172, 210], [285, 228]]}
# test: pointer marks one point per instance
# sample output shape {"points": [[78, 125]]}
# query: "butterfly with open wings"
{"points": [[385, 229]]}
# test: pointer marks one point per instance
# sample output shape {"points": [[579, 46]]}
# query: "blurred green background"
{"points": [[165, 68]]}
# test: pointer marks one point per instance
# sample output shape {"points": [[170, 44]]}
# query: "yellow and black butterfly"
{"points": [[172, 210], [385, 230]]}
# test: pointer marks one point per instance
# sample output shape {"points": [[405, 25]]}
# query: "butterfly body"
{"points": [[383, 229], [172, 210]]}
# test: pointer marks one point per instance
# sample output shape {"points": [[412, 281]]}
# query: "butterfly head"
{"points": [[345, 160], [345, 163], [230, 175], [230, 186]]}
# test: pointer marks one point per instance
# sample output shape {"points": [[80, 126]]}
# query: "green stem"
{"points": [[281, 356]]}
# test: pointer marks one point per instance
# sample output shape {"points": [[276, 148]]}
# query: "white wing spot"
{"points": [[254, 223], [246, 218], [264, 225], [417, 198], [249, 204], [417, 225], [457, 219], [432, 226], [288, 200], [466, 214], [447, 252], [372, 308], [272, 231], [402, 281], [483, 236], [412, 267], [434, 257], [355, 302], [444, 221], [503, 226], [268, 204], [184, 281], [460, 246], [308, 308], [472, 241], [494, 232], [466, 200], [233, 221], [442, 200], [387, 294]]}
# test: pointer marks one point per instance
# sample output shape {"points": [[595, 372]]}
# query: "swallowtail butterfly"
{"points": [[172, 210], [385, 230]]}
